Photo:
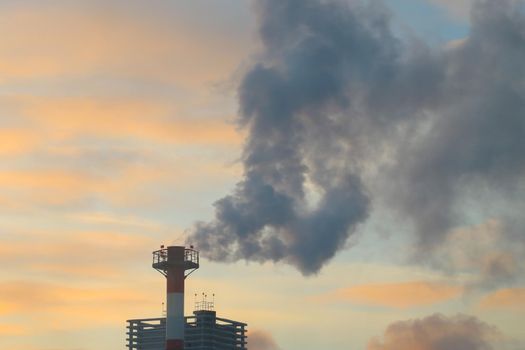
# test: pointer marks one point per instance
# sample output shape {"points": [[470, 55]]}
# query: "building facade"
{"points": [[202, 331]]}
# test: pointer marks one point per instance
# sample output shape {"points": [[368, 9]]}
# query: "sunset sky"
{"points": [[123, 123]]}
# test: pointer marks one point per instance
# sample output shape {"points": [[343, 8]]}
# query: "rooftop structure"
{"points": [[203, 331]]}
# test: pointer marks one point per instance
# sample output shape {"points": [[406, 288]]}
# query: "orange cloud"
{"points": [[505, 298], [17, 141], [127, 184], [154, 120], [11, 329], [49, 187], [77, 255], [43, 179], [107, 219], [7, 307], [64, 243], [398, 295], [70, 307], [78, 40], [75, 269]]}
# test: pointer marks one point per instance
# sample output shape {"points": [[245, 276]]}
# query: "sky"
{"points": [[352, 171]]}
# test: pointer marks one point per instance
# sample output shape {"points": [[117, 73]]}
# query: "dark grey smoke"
{"points": [[470, 161], [477, 136], [340, 111]]}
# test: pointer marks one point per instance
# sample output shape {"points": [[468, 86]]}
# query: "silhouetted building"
{"points": [[202, 331]]}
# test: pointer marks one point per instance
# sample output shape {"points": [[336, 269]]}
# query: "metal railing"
{"points": [[160, 256], [191, 255], [161, 261]]}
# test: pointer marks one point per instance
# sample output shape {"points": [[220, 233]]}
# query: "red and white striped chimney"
{"points": [[175, 299], [173, 262]]}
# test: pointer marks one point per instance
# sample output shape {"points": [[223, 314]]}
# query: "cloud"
{"points": [[261, 340], [66, 307], [104, 38], [73, 150], [67, 280], [438, 332], [509, 298], [18, 141], [397, 295], [86, 121], [115, 220], [74, 178], [12, 329], [71, 254], [117, 117]]}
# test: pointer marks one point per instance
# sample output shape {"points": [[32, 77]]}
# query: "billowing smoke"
{"points": [[476, 134], [465, 167], [294, 94], [340, 112], [438, 332]]}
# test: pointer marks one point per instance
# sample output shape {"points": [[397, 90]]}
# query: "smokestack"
{"points": [[176, 263]]}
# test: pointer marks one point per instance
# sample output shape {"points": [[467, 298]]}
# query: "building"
{"points": [[202, 331]]}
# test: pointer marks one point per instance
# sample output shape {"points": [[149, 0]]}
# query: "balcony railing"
{"points": [[161, 262]]}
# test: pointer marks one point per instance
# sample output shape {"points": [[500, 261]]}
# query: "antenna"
{"points": [[204, 304]]}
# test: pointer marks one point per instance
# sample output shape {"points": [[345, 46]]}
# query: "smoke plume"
{"points": [[341, 113]]}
